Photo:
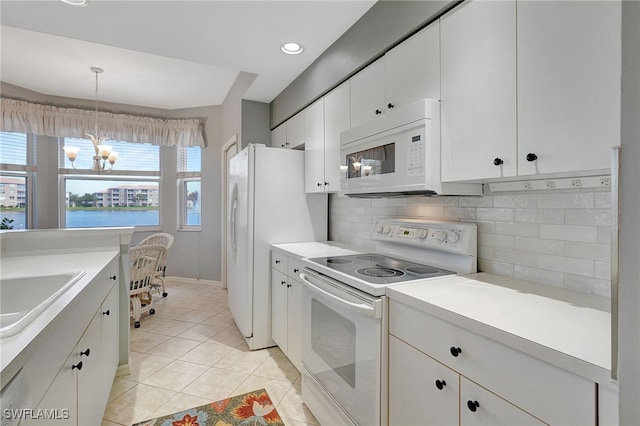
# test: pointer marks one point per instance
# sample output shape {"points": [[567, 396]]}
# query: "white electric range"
{"points": [[344, 325]]}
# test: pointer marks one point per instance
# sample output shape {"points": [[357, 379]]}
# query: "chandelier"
{"points": [[103, 153]]}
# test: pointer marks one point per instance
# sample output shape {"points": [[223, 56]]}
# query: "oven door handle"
{"points": [[374, 311]]}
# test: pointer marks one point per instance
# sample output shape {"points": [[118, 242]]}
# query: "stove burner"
{"points": [[338, 261], [422, 270], [380, 272], [371, 257]]}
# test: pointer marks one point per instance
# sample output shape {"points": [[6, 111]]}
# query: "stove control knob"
{"points": [[423, 234], [379, 229], [441, 235], [387, 229], [454, 237]]}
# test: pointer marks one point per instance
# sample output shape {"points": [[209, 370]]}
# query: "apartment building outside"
{"points": [[13, 192], [128, 196]]}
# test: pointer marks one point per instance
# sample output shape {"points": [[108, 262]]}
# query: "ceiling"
{"points": [[165, 54]]}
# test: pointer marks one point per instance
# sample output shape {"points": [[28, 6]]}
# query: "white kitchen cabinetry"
{"points": [[322, 144], [285, 306], [290, 134], [478, 58], [82, 382], [568, 85], [405, 74], [509, 386]]}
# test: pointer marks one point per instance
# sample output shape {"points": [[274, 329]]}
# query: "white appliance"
{"points": [[267, 205], [344, 324], [397, 154]]}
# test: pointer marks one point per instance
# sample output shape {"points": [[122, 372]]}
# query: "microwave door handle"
{"points": [[357, 307]]}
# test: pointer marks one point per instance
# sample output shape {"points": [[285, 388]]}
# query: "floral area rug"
{"points": [[252, 408]]}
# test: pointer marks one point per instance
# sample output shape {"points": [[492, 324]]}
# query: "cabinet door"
{"points": [[478, 48], [314, 147], [568, 84], [295, 131], [294, 322], [337, 119], [414, 396], [279, 136], [367, 93], [478, 406], [90, 378], [60, 399], [279, 285], [109, 341], [412, 69]]}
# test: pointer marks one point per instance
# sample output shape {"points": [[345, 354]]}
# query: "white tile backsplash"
{"points": [[558, 238]]}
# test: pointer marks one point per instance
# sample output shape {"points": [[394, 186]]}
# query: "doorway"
{"points": [[229, 149]]}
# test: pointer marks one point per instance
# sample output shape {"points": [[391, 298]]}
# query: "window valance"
{"points": [[26, 117]]}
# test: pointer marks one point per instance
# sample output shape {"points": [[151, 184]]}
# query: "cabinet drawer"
{"points": [[550, 393], [279, 261], [295, 266]]}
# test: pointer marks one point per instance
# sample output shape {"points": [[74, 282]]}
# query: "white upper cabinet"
{"points": [[279, 136], [314, 154], [568, 84], [478, 54], [290, 134], [406, 73]]}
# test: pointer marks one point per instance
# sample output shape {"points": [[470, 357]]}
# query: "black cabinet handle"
{"points": [[497, 161], [107, 312], [319, 184], [378, 112], [283, 282], [78, 366], [282, 146], [296, 270], [288, 285], [531, 157], [455, 351], [326, 183], [85, 353], [473, 405], [440, 384], [390, 105], [277, 261], [113, 277]]}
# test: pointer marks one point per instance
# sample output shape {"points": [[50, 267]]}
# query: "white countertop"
{"points": [[14, 349], [317, 249], [568, 329]]}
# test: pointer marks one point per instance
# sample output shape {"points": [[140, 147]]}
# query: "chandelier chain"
{"points": [[95, 128]]}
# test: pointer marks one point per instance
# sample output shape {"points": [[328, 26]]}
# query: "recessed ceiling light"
{"points": [[292, 48], [76, 2]]}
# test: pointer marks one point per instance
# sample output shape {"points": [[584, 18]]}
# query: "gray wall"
{"points": [[255, 123], [386, 24]]}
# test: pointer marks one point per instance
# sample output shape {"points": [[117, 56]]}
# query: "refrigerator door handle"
{"points": [[232, 216]]}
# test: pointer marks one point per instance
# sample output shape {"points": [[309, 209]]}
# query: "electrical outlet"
{"points": [[528, 185], [550, 184], [605, 182], [576, 183]]}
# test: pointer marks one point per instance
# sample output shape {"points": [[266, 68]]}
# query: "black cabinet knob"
{"points": [[283, 282], [85, 353], [440, 384], [497, 161], [319, 184], [455, 351], [288, 285], [378, 112], [277, 261], [296, 270], [473, 405], [107, 312], [78, 366], [326, 183], [531, 157], [113, 277], [390, 105]]}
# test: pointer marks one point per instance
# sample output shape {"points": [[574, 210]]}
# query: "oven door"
{"points": [[341, 348]]}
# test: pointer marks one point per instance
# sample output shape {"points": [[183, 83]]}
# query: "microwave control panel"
{"points": [[415, 157]]}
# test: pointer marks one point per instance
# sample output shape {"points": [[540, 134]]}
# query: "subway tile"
{"points": [[363, 203], [593, 217], [604, 235], [483, 201], [587, 251], [602, 200], [567, 265], [501, 214], [575, 200], [516, 200], [538, 245], [541, 276], [514, 256], [432, 212], [459, 212], [388, 202], [540, 215], [602, 270], [585, 234], [485, 227], [520, 229], [498, 268], [494, 240], [485, 252], [597, 286]]}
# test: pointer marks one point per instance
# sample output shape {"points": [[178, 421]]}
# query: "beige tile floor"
{"points": [[191, 353]]}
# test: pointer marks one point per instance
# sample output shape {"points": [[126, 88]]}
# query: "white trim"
{"points": [[232, 142], [193, 280]]}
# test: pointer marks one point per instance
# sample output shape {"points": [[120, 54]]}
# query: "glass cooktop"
{"points": [[380, 269]]}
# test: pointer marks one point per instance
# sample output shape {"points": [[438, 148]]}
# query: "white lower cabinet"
{"points": [[442, 374], [77, 392], [286, 313]]}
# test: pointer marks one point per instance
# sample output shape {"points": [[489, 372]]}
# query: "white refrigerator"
{"points": [[267, 205]]}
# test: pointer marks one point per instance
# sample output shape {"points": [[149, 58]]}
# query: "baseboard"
{"points": [[123, 370], [193, 280]]}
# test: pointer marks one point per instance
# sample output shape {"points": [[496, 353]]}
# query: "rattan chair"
{"points": [[143, 267], [165, 240]]}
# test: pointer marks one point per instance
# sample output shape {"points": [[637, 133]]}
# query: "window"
{"points": [[189, 188], [128, 195], [17, 157]]}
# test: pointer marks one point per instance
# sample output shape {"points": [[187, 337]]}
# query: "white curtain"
{"points": [[38, 119]]}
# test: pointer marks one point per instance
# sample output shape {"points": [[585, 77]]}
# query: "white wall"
{"points": [[555, 238]]}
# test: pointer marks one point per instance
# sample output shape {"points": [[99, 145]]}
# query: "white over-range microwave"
{"points": [[397, 154]]}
